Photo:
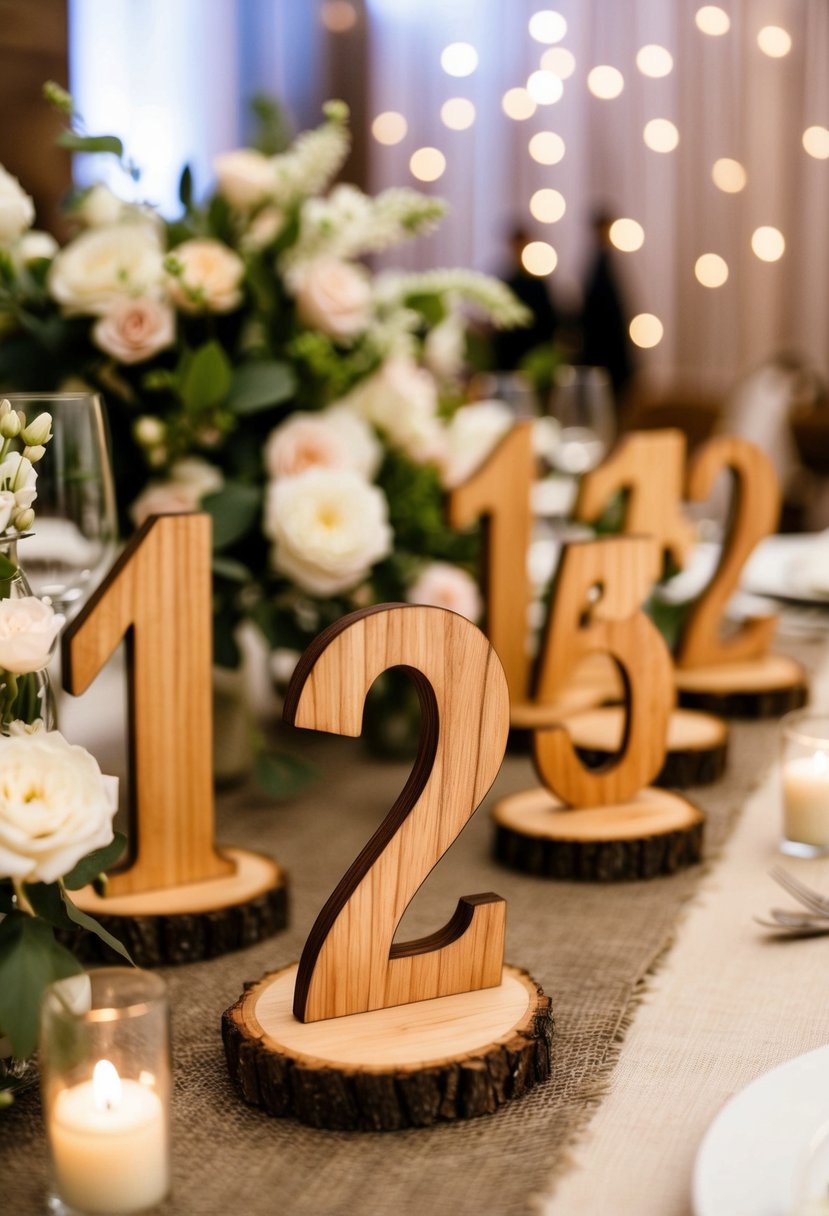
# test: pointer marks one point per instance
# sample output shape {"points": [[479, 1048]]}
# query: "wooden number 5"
{"points": [[618, 573], [349, 964]]}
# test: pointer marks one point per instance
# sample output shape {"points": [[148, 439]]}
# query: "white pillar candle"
{"points": [[806, 799], [109, 1145]]}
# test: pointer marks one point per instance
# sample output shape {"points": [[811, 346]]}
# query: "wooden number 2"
{"points": [[500, 492], [650, 467], [620, 571], [158, 597], [349, 964], [754, 516]]}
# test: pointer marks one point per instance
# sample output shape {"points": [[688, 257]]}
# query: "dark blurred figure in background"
{"points": [[604, 321], [509, 346]]}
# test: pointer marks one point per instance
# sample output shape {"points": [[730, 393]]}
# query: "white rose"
{"points": [[471, 435], [333, 297], [55, 806], [401, 400], [244, 177], [190, 481], [33, 245], [365, 451], [328, 529], [105, 264], [28, 629], [17, 474], [99, 207], [333, 439], [198, 475], [444, 586], [135, 330], [17, 211], [209, 278]]}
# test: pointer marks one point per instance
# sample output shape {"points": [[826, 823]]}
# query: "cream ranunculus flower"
{"points": [[401, 400], [208, 278], [329, 527], [135, 330], [17, 211], [18, 475], [471, 435], [28, 629], [445, 586], [103, 265], [191, 479], [55, 806], [244, 177], [333, 297]]}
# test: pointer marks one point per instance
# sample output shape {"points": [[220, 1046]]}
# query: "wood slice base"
{"points": [[595, 682], [762, 688], [195, 921], [654, 833], [697, 744], [413, 1065]]}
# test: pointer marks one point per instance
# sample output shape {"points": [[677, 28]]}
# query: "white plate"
{"points": [[753, 1152], [791, 567]]}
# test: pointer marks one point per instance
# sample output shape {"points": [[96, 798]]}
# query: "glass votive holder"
{"points": [[805, 780], [104, 1056]]}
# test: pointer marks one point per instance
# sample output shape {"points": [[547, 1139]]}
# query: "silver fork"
{"points": [[806, 895]]}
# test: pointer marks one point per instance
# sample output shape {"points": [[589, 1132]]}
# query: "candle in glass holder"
{"points": [[105, 1077], [805, 778]]}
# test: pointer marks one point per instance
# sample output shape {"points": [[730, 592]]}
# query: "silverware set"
{"points": [[794, 923]]}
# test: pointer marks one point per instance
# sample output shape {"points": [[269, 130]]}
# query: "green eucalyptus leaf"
{"points": [[234, 510], [47, 903], [83, 921], [185, 187], [89, 867], [206, 378], [281, 775], [230, 568], [90, 143], [30, 960], [258, 386]]}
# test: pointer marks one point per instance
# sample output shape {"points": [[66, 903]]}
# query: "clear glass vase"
{"points": [[25, 696]]}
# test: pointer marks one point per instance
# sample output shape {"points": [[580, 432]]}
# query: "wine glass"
{"points": [[582, 404], [75, 528]]}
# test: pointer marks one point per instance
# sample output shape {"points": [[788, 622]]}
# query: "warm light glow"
{"points": [[539, 258], [605, 82], [660, 135], [728, 175], [559, 61], [106, 1085], [547, 26], [389, 127], [546, 148], [711, 270], [768, 243], [544, 88], [713, 20], [517, 104], [774, 41], [816, 142], [627, 235], [457, 113], [547, 206], [338, 16], [459, 59], [646, 330], [653, 60], [427, 164]]}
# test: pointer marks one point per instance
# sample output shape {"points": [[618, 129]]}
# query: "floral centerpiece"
{"points": [[255, 368]]}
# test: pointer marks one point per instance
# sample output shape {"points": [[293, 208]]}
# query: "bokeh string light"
{"points": [[427, 164], [545, 88], [458, 113], [547, 206], [660, 135], [459, 59], [655, 61], [728, 175], [767, 243], [546, 148], [389, 128], [774, 41], [711, 270], [559, 61], [712, 20], [626, 235], [547, 26], [816, 142], [646, 330], [517, 104], [605, 82], [539, 258]]}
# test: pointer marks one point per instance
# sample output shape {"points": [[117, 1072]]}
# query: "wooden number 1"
{"points": [[500, 492], [619, 572], [649, 466], [158, 597], [350, 964]]}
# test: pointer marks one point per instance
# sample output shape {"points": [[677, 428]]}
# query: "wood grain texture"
{"points": [[158, 596], [648, 467], [767, 687], [350, 964], [653, 833], [499, 493], [596, 607], [754, 515], [456, 1057]]}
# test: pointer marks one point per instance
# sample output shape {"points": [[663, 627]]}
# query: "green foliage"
{"points": [[30, 960], [204, 377], [73, 142], [272, 135], [282, 775], [89, 867], [259, 386], [234, 509]]}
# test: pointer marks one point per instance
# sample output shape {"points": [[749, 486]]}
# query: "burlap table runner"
{"points": [[589, 946]]}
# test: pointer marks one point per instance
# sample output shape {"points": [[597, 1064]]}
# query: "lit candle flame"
{"points": [[106, 1085]]}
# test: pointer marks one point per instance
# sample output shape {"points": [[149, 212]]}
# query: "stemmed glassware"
{"points": [[582, 404]]}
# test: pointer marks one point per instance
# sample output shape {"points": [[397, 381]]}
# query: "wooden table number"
{"points": [[180, 898], [603, 823], [365, 1032]]}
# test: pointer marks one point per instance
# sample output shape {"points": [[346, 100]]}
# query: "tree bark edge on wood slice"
{"points": [[772, 703], [348, 1097], [768, 687]]}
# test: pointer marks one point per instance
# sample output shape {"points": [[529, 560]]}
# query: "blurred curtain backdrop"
{"points": [[174, 80]]}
